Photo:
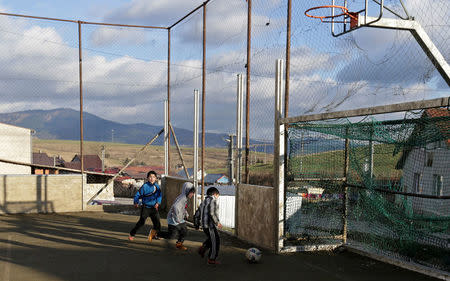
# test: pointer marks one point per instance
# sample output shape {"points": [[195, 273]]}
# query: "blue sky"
{"points": [[124, 69]]}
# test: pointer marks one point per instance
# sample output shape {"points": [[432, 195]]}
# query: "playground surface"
{"points": [[94, 246]]}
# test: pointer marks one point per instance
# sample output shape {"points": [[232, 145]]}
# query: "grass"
{"points": [[331, 163], [116, 154]]}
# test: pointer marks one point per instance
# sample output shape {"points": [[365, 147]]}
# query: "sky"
{"points": [[125, 69]]}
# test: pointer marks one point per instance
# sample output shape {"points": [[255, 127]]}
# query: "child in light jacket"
{"points": [[176, 218]]}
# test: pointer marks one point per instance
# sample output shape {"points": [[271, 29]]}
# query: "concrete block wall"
{"points": [[40, 193], [90, 189], [48, 193], [171, 187], [256, 222]]}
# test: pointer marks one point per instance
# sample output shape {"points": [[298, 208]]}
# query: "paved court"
{"points": [[94, 246]]}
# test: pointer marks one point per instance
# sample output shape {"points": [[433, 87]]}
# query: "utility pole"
{"points": [[103, 158], [230, 159]]}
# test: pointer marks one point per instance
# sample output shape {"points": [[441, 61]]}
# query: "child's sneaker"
{"points": [[131, 238], [152, 235], [180, 246], [210, 261], [201, 251]]}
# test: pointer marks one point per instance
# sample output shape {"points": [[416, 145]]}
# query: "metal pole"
{"points": [[287, 78], [166, 134], [279, 158], [239, 113], [179, 150], [196, 117], [80, 67], [247, 111], [346, 166], [288, 59], [103, 159], [203, 96], [231, 159], [166, 131], [371, 151]]}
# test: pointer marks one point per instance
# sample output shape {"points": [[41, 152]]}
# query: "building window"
{"points": [[429, 159], [416, 184], [438, 183]]}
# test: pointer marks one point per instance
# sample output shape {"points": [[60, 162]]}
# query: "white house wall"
{"points": [[15, 145], [415, 163]]}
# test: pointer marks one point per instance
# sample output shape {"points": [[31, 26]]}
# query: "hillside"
{"points": [[64, 124], [116, 154]]}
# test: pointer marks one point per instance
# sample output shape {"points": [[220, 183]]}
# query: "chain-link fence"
{"points": [[128, 71], [60, 75]]}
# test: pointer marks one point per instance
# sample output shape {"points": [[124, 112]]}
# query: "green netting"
{"points": [[397, 185]]}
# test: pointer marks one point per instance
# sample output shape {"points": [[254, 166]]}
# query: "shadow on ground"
{"points": [[94, 246]]}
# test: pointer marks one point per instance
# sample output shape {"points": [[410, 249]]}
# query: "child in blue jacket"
{"points": [[150, 196]]}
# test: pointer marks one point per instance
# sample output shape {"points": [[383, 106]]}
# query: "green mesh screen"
{"points": [[396, 198]]}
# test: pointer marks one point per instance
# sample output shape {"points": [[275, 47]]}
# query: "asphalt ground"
{"points": [[94, 246]]}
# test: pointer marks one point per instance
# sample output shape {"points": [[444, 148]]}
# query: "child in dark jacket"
{"points": [[150, 195], [208, 211], [177, 215]]}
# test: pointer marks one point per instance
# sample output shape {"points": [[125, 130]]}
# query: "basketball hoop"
{"points": [[345, 13]]}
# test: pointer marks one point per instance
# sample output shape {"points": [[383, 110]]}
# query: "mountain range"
{"points": [[64, 124]]}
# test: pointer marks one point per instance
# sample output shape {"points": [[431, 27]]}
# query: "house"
{"points": [[216, 178], [425, 162], [190, 171], [90, 162], [140, 172], [16, 146], [41, 158]]}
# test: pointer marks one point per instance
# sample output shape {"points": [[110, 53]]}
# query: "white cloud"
{"points": [[104, 36], [37, 64], [156, 12]]}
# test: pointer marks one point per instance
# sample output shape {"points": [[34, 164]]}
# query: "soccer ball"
{"points": [[253, 255]]}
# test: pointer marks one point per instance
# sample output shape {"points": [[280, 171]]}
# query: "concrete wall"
{"points": [[256, 221], [90, 189], [40, 193], [15, 145], [171, 188], [47, 193]]}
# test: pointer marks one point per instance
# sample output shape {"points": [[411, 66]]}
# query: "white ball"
{"points": [[253, 255]]}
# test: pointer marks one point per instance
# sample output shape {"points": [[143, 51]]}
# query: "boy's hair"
{"points": [[212, 191], [152, 173]]}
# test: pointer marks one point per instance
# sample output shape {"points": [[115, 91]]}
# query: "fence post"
{"points": [[345, 209], [195, 172], [279, 158], [166, 137], [239, 115]]}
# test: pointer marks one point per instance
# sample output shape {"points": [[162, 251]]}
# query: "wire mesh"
{"points": [[366, 67], [124, 88], [396, 183]]}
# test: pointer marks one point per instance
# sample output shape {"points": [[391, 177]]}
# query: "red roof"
{"points": [[140, 172], [90, 162], [444, 126], [42, 159]]}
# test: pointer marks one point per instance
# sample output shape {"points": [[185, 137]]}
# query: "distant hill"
{"points": [[64, 124]]}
